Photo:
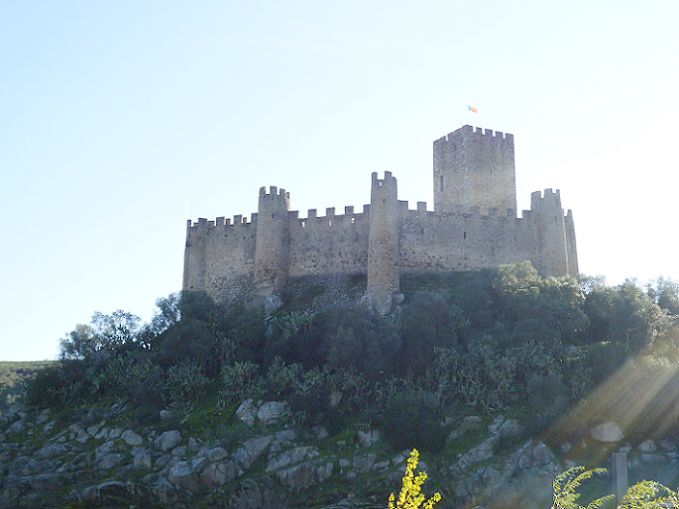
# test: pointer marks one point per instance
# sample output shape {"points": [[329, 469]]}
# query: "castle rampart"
{"points": [[383, 240]]}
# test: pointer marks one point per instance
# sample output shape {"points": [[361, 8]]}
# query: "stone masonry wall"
{"points": [[433, 241], [219, 257], [474, 225]]}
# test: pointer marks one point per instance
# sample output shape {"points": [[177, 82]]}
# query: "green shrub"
{"points": [[411, 418], [240, 381], [185, 382], [57, 386]]}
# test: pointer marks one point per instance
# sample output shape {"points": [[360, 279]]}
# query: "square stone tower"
{"points": [[474, 168]]}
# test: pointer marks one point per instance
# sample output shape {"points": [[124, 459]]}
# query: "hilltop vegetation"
{"points": [[478, 342], [470, 369]]}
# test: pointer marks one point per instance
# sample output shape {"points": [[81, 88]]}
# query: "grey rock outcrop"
{"points": [[131, 438], [168, 440], [272, 411], [608, 432], [183, 475], [247, 412]]}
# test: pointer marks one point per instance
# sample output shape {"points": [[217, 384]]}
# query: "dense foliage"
{"points": [[481, 341], [643, 495]]}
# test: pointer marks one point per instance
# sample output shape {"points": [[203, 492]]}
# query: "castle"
{"points": [[473, 225]]}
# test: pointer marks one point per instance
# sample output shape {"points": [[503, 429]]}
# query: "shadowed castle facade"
{"points": [[474, 224]]}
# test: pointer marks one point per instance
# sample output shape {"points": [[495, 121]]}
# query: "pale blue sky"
{"points": [[120, 120]]}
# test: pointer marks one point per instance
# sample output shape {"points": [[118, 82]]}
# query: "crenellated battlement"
{"points": [[547, 198], [330, 219], [388, 181], [274, 192], [477, 131], [238, 220], [473, 224]]}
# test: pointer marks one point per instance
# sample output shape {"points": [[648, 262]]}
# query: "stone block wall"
{"points": [[386, 238]]}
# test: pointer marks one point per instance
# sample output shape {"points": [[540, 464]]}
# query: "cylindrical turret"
{"points": [[383, 243], [272, 245], [552, 253], [571, 246]]}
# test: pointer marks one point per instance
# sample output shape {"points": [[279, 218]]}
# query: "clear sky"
{"points": [[121, 120]]}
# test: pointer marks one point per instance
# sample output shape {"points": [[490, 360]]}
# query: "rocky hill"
{"points": [[500, 378]]}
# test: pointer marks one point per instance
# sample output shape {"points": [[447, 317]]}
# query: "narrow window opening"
{"points": [[273, 216], [329, 222], [353, 220], [422, 231], [384, 200], [464, 235], [303, 224]]}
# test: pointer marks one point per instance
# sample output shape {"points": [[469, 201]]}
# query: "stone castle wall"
{"points": [[385, 239]]}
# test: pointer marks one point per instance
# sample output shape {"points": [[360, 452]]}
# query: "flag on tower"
{"points": [[473, 109]]}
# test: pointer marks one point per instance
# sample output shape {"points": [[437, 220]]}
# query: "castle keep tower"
{"points": [[272, 244], [383, 242], [474, 225], [474, 168]]}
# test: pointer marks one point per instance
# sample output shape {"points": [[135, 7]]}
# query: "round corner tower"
{"points": [[550, 224], [383, 242], [272, 244]]}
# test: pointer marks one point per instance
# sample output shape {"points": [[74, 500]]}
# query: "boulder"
{"points": [[114, 433], [82, 436], [291, 457], [218, 474], [300, 468], [478, 453], [104, 449], [110, 460], [131, 438], [647, 446], [216, 454], [247, 412], [16, 427], [43, 416], [272, 411], [542, 454], [199, 463], [183, 475], [102, 434], [109, 489], [506, 428], [368, 438], [51, 451], [608, 432], [168, 440], [141, 458], [94, 429], [364, 462], [251, 450], [179, 452], [282, 440]]}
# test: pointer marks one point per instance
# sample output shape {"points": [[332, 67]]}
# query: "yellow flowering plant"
{"points": [[411, 496]]}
